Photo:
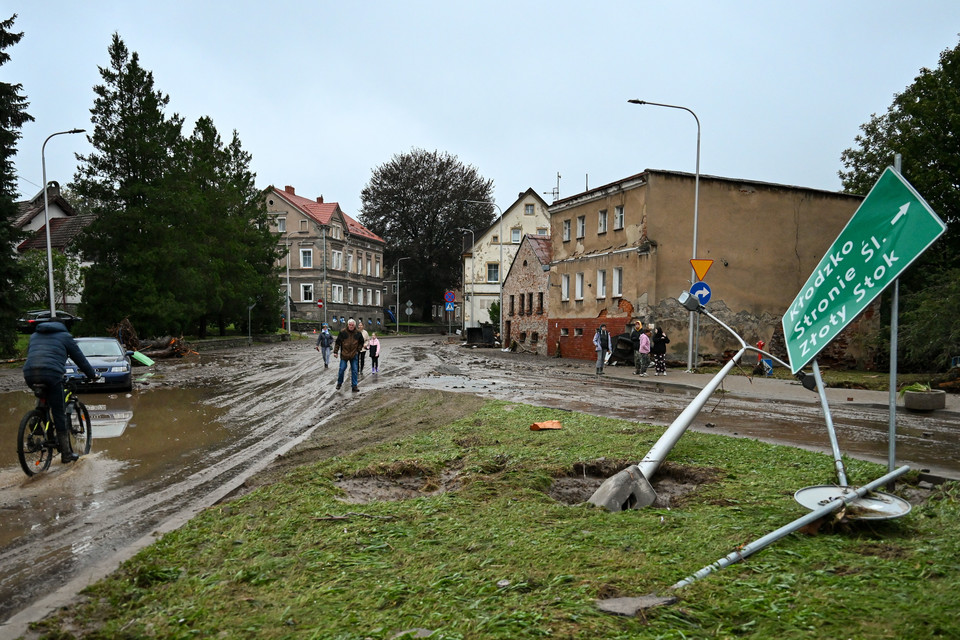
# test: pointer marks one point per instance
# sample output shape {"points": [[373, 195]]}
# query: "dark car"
{"points": [[31, 319], [111, 361]]}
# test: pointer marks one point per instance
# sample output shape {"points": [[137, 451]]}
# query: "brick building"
{"points": [[525, 295]]}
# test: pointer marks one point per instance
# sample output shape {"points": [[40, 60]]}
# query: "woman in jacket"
{"points": [[659, 352]]}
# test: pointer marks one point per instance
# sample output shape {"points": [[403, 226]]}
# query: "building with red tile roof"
{"points": [[332, 265]]}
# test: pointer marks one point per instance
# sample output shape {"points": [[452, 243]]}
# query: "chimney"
{"points": [[320, 200], [290, 190]]}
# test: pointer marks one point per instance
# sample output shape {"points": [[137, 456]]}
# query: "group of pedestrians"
{"points": [[645, 348], [352, 346]]}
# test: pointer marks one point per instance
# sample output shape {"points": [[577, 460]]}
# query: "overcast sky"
{"points": [[322, 92]]}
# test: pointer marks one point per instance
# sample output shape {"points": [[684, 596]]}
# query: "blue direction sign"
{"points": [[892, 226], [702, 292]]}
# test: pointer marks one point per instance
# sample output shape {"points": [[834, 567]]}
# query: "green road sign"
{"points": [[892, 226]]}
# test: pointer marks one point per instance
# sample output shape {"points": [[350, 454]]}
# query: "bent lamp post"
{"points": [[631, 488]]}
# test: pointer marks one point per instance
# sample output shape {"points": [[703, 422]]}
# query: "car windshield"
{"points": [[100, 348]]}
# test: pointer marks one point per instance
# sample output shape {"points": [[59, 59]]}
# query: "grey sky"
{"points": [[323, 92]]}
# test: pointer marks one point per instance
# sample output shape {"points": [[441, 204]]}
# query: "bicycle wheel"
{"points": [[33, 449], [80, 436]]}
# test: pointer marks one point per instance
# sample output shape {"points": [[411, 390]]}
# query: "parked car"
{"points": [[31, 319], [111, 361]]}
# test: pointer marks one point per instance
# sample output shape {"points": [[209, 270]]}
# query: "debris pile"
{"points": [[164, 347]]}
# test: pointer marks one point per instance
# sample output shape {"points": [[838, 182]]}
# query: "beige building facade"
{"points": [[332, 265], [493, 250], [622, 252]]}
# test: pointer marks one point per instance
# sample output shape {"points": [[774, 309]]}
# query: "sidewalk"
{"points": [[761, 387]]}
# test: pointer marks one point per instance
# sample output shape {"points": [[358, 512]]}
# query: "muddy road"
{"points": [[199, 429]]}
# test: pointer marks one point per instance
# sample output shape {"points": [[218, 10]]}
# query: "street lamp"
{"points": [[696, 206], [287, 243], [46, 217], [500, 264], [473, 286], [398, 294]]}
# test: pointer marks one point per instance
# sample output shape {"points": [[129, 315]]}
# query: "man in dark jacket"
{"points": [[50, 345], [348, 345]]}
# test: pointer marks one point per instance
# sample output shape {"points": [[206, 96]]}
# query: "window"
{"points": [[493, 272], [564, 332], [349, 295], [542, 231], [528, 209], [303, 225], [306, 258], [540, 302], [618, 282], [336, 232], [602, 222], [534, 338], [601, 283], [578, 331], [530, 304], [565, 286], [349, 265], [516, 235], [336, 260], [618, 217], [370, 297], [359, 262], [336, 293], [511, 306], [578, 291], [369, 265], [282, 225], [306, 292], [495, 239], [581, 226], [376, 298], [566, 231], [376, 269]]}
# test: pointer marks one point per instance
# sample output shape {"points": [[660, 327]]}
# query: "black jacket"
{"points": [[50, 346]]}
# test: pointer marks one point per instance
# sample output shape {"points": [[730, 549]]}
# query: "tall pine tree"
{"points": [[239, 268], [13, 115], [131, 182]]}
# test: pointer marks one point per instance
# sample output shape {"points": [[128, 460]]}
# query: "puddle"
{"points": [[137, 437]]}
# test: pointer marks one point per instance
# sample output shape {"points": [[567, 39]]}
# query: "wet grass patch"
{"points": [[500, 558]]}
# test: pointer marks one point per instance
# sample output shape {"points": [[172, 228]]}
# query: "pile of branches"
{"points": [[126, 334], [165, 347]]}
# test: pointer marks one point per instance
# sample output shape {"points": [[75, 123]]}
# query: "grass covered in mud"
{"points": [[484, 551]]}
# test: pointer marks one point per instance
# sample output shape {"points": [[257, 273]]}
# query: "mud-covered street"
{"points": [[197, 430]]}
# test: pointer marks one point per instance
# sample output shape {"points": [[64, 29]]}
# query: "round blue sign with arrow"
{"points": [[702, 291]]}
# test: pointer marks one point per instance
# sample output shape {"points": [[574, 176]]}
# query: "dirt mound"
{"points": [[674, 483]]}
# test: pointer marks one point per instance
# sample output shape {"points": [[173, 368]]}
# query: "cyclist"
{"points": [[50, 345]]}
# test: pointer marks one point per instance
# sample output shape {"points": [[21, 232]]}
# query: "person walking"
{"points": [[325, 345], [374, 348], [659, 352], [635, 334], [348, 345], [50, 346], [366, 341], [643, 353], [601, 340]]}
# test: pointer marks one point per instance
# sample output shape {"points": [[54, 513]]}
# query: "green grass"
{"points": [[499, 558]]}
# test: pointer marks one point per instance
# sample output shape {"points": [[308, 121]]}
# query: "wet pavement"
{"points": [[190, 434]]}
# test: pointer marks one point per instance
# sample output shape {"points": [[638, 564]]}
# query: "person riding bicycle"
{"points": [[50, 345]]}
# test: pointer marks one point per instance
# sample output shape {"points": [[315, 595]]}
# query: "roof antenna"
{"points": [[555, 192]]}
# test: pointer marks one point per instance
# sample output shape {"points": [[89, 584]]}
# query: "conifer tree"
{"points": [[13, 115]]}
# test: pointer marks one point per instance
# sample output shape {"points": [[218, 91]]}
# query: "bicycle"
{"points": [[37, 436]]}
